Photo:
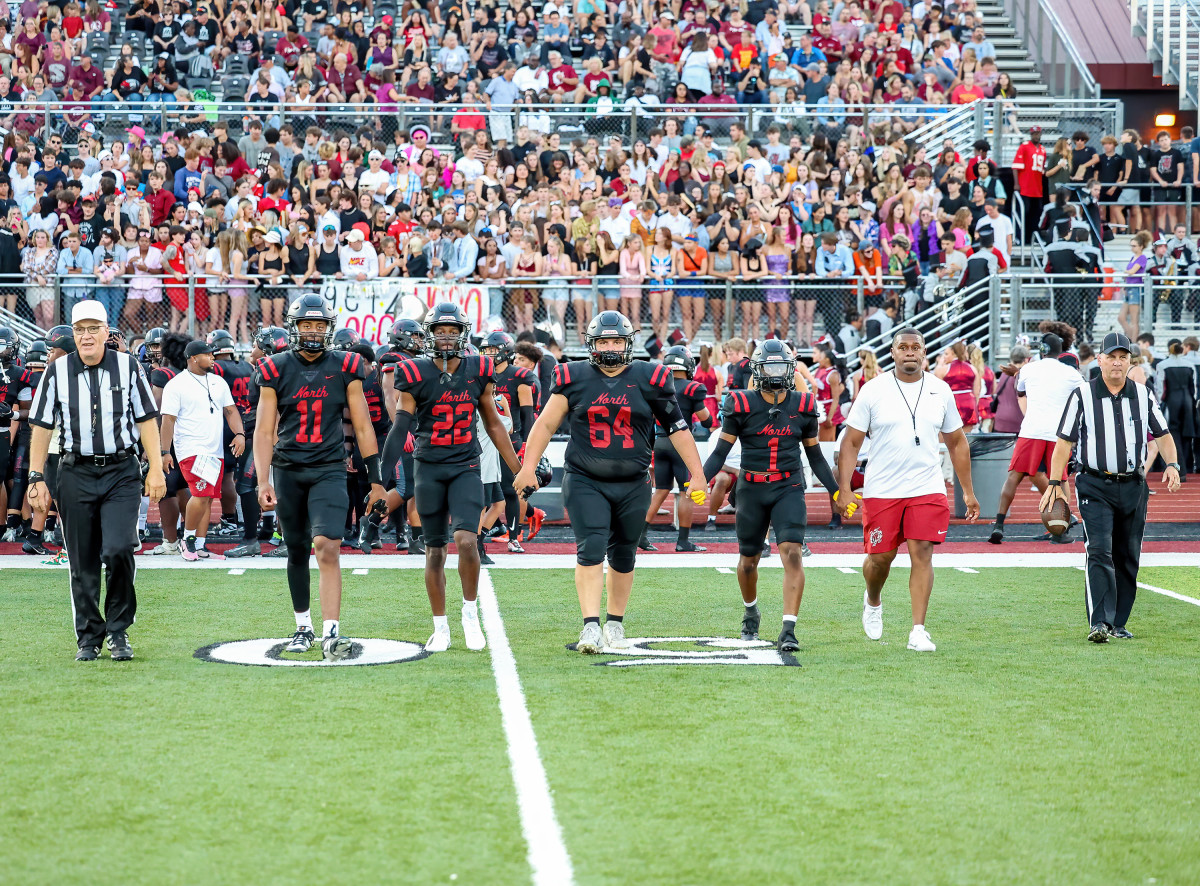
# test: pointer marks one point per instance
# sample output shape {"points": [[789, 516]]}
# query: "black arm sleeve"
{"points": [[393, 446], [716, 458], [820, 468], [527, 420], [666, 410]]}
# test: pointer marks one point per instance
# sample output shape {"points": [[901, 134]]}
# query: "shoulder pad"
{"points": [[407, 372], [269, 368], [485, 367], [661, 376], [352, 363], [522, 375], [808, 403], [695, 390], [563, 375], [737, 401]]}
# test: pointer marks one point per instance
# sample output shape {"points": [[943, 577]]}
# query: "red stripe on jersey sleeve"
{"points": [[269, 370], [355, 363], [410, 374], [346, 361], [566, 368], [560, 375]]}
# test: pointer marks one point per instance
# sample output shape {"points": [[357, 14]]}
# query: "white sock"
{"points": [[199, 542], [711, 519], [189, 533], [789, 619], [304, 620], [471, 606], [331, 627], [440, 624], [918, 627], [753, 602], [867, 600]]}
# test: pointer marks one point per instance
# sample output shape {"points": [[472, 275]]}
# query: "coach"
{"points": [[1108, 420], [103, 404]]}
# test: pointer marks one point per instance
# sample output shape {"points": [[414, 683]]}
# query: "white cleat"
{"points": [[472, 632], [872, 619], [591, 641], [336, 648], [440, 641], [614, 635], [919, 641]]}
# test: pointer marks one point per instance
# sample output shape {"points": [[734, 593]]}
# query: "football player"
{"points": [[36, 357], [406, 341], [611, 403], [298, 430], [16, 396], [237, 374], [444, 392], [771, 421], [165, 360], [668, 466], [518, 387], [267, 342]]}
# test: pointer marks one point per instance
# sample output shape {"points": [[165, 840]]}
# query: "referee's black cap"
{"points": [[1116, 341]]}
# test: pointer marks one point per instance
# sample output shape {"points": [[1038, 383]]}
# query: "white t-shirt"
{"points": [[371, 181], [489, 455], [197, 402], [886, 410], [1002, 229], [1046, 384]]}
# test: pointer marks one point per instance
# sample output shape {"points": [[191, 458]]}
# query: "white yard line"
{"points": [[724, 570], [967, 569], [1055, 560], [545, 849], [237, 571], [843, 569], [1174, 596], [361, 571]]}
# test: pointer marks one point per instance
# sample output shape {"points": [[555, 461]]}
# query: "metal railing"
{"points": [[1172, 32], [1062, 68], [1168, 301]]}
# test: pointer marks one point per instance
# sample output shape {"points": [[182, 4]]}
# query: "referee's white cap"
{"points": [[89, 309]]}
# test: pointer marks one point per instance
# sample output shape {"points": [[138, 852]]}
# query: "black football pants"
{"points": [[98, 507], [1114, 519]]}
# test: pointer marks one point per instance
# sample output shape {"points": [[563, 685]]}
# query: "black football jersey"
{"points": [[237, 375], [445, 419], [612, 418], [13, 380], [507, 382], [739, 376], [160, 375], [770, 434], [312, 397], [690, 397], [373, 391]]}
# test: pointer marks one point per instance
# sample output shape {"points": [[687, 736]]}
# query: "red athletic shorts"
{"points": [[889, 521], [195, 484], [1033, 457]]}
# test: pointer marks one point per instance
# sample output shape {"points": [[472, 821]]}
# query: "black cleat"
{"points": [[368, 536], [118, 646], [87, 653], [805, 550], [687, 547], [249, 549], [766, 549], [997, 536], [710, 526], [402, 541], [1121, 634], [644, 543], [1099, 633], [415, 545], [484, 559], [280, 551], [750, 623], [835, 523], [787, 638], [1065, 539], [350, 539], [34, 547]]}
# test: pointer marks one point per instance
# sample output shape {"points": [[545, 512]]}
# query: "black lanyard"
{"points": [[911, 409]]}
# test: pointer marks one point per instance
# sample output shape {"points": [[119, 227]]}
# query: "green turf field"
{"points": [[1017, 753]]}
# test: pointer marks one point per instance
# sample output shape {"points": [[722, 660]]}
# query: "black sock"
{"points": [[51, 522], [592, 619], [14, 521], [229, 518], [376, 518], [684, 532], [268, 528], [1000, 519], [26, 525], [528, 509], [250, 514], [608, 616], [416, 530]]}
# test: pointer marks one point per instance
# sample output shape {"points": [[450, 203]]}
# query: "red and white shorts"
{"points": [[199, 487], [889, 521], [1033, 457]]}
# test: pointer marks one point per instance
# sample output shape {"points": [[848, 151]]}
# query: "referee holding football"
{"points": [[103, 404], [1108, 420]]}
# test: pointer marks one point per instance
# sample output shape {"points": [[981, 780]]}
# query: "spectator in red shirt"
{"points": [[563, 78], [87, 78], [289, 48], [160, 200], [1029, 169], [344, 81], [966, 92], [827, 43]]}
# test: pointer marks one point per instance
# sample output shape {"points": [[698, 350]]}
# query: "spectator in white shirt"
{"points": [[359, 261], [374, 179], [1001, 225], [616, 224]]}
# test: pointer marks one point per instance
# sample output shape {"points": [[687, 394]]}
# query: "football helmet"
{"points": [[609, 324], [446, 346], [407, 335], [500, 345], [773, 366], [310, 307], [680, 358]]}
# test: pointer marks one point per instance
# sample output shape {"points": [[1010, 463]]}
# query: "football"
{"points": [[1057, 518]]}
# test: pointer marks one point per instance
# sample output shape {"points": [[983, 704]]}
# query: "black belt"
{"points": [[100, 461], [1113, 478]]}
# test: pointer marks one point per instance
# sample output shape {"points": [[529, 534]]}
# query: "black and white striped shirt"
{"points": [[97, 408], [1110, 430]]}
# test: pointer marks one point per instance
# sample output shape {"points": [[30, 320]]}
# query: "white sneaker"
{"points": [[335, 648], [872, 619], [167, 547], [918, 640], [591, 641], [440, 641], [614, 635], [472, 632]]}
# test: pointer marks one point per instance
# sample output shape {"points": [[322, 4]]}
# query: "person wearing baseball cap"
{"points": [[1029, 171], [101, 404], [1107, 422]]}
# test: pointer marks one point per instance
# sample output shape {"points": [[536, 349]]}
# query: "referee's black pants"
{"points": [[1114, 519], [98, 508]]}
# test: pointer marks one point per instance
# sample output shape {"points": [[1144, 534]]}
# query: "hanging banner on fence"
{"points": [[371, 307]]}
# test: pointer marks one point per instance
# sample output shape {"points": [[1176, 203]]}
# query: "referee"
{"points": [[1108, 419], [102, 402]]}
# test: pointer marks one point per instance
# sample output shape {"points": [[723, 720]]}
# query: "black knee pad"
{"points": [[749, 549], [591, 550], [621, 557]]}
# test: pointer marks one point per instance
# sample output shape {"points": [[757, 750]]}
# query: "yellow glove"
{"points": [[852, 506], [698, 494]]}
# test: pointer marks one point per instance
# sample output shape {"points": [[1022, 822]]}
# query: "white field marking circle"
{"points": [[707, 651], [268, 653]]}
